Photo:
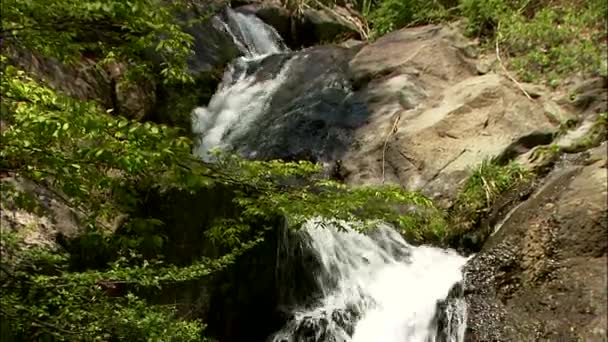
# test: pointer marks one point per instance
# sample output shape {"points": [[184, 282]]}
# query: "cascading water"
{"points": [[372, 287], [241, 96], [375, 287]]}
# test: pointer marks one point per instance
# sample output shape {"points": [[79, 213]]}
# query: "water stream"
{"points": [[373, 287], [376, 287], [241, 96]]}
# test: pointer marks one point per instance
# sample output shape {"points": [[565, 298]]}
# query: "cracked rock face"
{"points": [[542, 276], [432, 117]]}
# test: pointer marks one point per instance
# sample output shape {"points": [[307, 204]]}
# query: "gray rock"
{"points": [[542, 276], [432, 117]]}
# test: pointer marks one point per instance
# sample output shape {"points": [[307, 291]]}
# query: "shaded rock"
{"points": [[542, 275], [312, 115], [312, 26], [591, 95], [213, 44], [325, 25], [247, 300], [214, 48], [134, 100]]}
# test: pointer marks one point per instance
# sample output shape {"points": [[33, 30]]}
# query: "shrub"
{"points": [[390, 15], [544, 40]]}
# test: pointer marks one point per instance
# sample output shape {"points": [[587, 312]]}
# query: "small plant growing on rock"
{"points": [[487, 182]]}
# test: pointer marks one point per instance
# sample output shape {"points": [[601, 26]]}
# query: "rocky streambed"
{"points": [[420, 107]]}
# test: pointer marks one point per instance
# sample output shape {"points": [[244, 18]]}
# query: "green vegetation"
{"points": [[541, 40], [393, 14], [110, 31], [100, 164], [104, 166], [545, 40], [487, 182]]}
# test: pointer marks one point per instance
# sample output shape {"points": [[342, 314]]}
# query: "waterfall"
{"points": [[236, 104], [252, 33], [368, 287], [241, 96], [376, 287]]}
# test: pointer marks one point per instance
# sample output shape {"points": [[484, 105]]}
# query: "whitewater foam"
{"points": [[241, 97], [374, 287], [232, 110]]}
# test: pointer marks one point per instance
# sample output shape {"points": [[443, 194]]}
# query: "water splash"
{"points": [[374, 287], [233, 108], [253, 34], [371, 287], [241, 96]]}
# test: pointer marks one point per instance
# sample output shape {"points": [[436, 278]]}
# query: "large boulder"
{"points": [[542, 275], [313, 114], [408, 109], [214, 47], [431, 116], [36, 212]]}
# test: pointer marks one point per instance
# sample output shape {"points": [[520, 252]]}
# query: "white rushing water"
{"points": [[232, 109], [376, 288], [241, 97], [250, 32]]}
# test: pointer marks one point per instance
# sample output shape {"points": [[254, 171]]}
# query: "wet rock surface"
{"points": [[408, 109], [312, 115]]}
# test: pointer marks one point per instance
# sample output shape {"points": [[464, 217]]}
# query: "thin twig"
{"points": [[504, 69], [444, 167], [394, 128], [390, 133]]}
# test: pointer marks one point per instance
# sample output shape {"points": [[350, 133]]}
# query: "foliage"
{"points": [[112, 30], [39, 300], [545, 41], [96, 163], [487, 182], [390, 15]]}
